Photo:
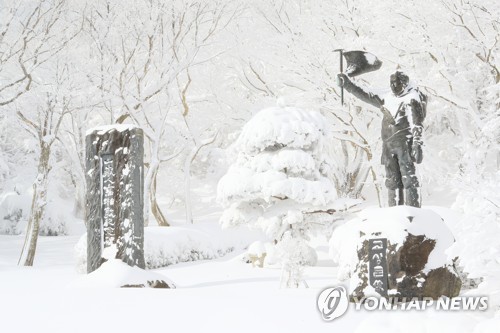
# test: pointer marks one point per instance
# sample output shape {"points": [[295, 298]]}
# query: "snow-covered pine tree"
{"points": [[279, 177]]}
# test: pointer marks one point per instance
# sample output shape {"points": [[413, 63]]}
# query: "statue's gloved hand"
{"points": [[341, 79], [416, 153]]}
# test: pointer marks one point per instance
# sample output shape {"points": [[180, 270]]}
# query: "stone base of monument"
{"points": [[159, 284], [401, 253]]}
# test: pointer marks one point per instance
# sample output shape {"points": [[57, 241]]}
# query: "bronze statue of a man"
{"points": [[404, 111]]}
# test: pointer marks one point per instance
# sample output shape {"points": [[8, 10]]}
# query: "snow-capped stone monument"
{"points": [[114, 198], [396, 252]]}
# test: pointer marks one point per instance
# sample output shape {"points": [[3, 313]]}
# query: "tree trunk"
{"points": [[187, 184], [150, 204], [37, 207], [155, 209]]}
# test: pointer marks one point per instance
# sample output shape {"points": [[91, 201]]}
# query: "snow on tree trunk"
{"points": [[37, 207], [151, 205], [279, 177], [187, 184], [155, 208], [114, 202]]}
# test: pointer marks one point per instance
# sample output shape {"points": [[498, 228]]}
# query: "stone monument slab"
{"points": [[114, 199]]}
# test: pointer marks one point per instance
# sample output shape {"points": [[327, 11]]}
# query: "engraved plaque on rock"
{"points": [[377, 252]]}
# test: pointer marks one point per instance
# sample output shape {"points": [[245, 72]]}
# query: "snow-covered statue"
{"points": [[404, 111]]}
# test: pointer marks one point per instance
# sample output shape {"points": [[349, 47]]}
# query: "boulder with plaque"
{"points": [[401, 254]]}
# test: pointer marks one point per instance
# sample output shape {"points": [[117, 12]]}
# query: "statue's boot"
{"points": [[396, 197], [412, 198]]}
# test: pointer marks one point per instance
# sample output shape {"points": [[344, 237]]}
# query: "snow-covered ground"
{"points": [[191, 73], [221, 295]]}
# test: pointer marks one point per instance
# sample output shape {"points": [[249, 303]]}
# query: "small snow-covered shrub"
{"points": [[173, 245], [14, 210], [280, 175], [56, 216], [184, 246]]}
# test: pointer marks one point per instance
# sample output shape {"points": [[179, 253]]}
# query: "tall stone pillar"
{"points": [[114, 198]]}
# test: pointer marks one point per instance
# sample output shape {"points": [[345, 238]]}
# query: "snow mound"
{"points": [[115, 274]]}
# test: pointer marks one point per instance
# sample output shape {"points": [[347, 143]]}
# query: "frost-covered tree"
{"points": [[34, 86], [146, 54], [279, 180], [31, 33], [52, 103]]}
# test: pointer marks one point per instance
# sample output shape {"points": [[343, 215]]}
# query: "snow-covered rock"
{"points": [[417, 240]]}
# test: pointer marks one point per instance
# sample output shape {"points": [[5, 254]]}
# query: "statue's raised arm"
{"points": [[363, 94]]}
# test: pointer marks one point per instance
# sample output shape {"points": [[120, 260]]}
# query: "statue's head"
{"points": [[399, 81]]}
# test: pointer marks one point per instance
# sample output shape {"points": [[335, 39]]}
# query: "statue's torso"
{"points": [[396, 125]]}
